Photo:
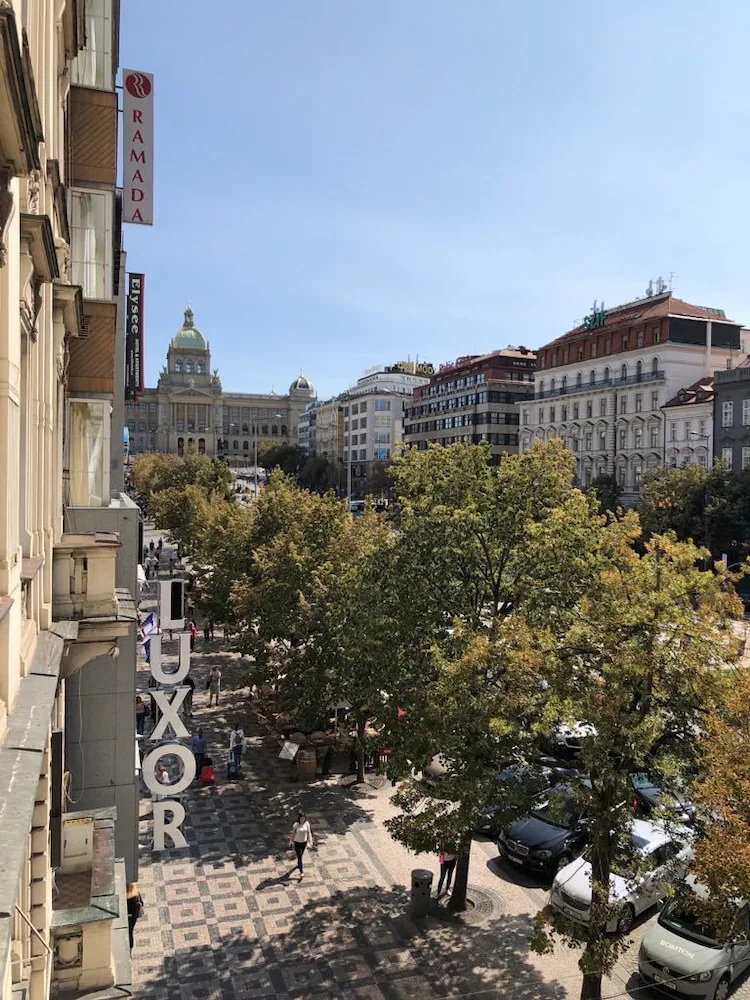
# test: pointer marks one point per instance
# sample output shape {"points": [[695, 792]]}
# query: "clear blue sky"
{"points": [[340, 183]]}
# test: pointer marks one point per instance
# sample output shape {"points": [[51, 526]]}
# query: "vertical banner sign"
{"points": [[134, 337], [138, 147]]}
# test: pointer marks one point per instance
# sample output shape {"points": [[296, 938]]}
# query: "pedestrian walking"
{"points": [[189, 682], [140, 715], [237, 744], [447, 864], [152, 683], [206, 633], [160, 546], [193, 635], [135, 909], [198, 746], [145, 555], [300, 838], [211, 629], [171, 565], [214, 685], [151, 546], [164, 778]]}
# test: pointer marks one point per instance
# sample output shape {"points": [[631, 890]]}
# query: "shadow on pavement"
{"points": [[356, 943]]}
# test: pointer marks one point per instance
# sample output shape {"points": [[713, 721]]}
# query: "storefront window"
{"points": [[89, 453]]}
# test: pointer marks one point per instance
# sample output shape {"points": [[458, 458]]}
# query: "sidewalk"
{"points": [[227, 918]]}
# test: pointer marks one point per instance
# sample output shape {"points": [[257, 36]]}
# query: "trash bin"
{"points": [[421, 888]]}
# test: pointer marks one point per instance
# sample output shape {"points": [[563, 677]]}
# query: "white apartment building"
{"points": [[688, 427], [602, 387], [374, 420]]}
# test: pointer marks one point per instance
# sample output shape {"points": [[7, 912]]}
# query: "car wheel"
{"points": [[625, 919], [722, 989], [562, 861]]}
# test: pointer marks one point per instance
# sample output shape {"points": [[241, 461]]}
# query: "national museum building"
{"points": [[189, 409]]}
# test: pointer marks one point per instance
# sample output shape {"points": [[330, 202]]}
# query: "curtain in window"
{"points": [[87, 454]]}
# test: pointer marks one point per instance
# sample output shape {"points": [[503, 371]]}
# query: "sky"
{"points": [[348, 183]]}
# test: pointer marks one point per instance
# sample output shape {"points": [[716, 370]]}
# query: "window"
{"points": [[602, 407], [89, 453], [92, 67], [575, 411], [178, 367], [563, 413], [637, 437], [592, 377], [587, 442], [593, 349], [363, 454], [655, 400], [727, 458], [188, 367], [688, 430], [602, 440], [745, 457], [639, 369], [589, 408], [655, 366], [606, 374], [622, 439], [579, 378], [362, 420], [246, 446], [702, 428], [274, 428], [623, 404], [623, 371], [654, 436], [382, 405], [198, 367], [381, 454], [552, 414], [355, 408], [746, 412], [525, 418], [727, 413], [638, 401], [91, 242], [637, 476], [541, 414]]}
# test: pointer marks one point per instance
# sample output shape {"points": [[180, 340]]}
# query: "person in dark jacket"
{"points": [[135, 909]]}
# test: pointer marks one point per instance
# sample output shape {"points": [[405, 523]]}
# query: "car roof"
{"points": [[648, 836]]}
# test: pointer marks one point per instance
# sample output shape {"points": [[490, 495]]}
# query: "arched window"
{"points": [[283, 430], [246, 446], [606, 374], [264, 429], [564, 385], [553, 384], [180, 446], [274, 429], [579, 379], [191, 444], [623, 370], [188, 367], [592, 377], [178, 366], [639, 371], [655, 365], [201, 446], [198, 367], [235, 445], [541, 386]]}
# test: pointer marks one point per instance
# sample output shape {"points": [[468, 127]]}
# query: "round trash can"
{"points": [[421, 888]]}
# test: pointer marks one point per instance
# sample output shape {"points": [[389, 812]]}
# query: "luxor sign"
{"points": [[137, 147]]}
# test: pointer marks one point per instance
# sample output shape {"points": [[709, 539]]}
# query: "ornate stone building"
{"points": [[189, 408]]}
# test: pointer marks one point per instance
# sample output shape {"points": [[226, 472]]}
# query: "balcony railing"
{"points": [[604, 383]]}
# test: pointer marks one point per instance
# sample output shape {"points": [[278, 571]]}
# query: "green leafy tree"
{"points": [[641, 661], [479, 546], [319, 474], [607, 491], [287, 457]]}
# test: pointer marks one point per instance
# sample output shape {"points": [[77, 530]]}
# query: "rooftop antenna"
{"points": [[671, 276], [650, 289]]}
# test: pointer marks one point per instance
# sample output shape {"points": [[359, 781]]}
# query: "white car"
{"points": [[664, 851]]}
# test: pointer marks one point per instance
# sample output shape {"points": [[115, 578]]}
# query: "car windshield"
{"points": [[679, 919], [641, 780], [558, 810]]}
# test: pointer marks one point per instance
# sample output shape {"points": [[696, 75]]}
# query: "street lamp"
{"points": [[274, 416]]}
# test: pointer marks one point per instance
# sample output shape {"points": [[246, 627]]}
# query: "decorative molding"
{"points": [[33, 185], [37, 229], [6, 209], [20, 120], [69, 299]]}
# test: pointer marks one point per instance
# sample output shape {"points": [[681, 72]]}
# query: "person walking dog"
{"points": [[300, 838]]}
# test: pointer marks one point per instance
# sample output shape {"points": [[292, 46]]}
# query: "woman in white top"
{"points": [[300, 837]]}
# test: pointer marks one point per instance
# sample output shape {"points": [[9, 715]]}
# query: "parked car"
{"points": [[550, 837], [566, 739], [647, 797], [525, 779], [683, 956], [633, 888]]}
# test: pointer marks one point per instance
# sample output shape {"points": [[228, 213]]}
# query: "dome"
{"points": [[189, 335], [301, 384]]}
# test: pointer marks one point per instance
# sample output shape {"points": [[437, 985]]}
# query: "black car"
{"points": [[550, 837], [647, 797], [523, 780]]}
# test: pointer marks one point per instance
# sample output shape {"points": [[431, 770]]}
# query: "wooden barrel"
{"points": [[306, 764]]}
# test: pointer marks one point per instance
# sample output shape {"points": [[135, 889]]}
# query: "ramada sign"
{"points": [[138, 147]]}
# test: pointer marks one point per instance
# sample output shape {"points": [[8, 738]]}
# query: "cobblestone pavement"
{"points": [[227, 918]]}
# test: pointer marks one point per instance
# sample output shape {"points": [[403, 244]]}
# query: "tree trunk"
{"points": [[361, 751], [457, 902], [591, 987]]}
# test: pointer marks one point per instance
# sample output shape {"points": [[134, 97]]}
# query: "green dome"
{"points": [[189, 335], [301, 384]]}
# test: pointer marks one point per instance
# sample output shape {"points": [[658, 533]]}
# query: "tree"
{"points": [[319, 474], [483, 553], [640, 661], [379, 481], [607, 491], [287, 457]]}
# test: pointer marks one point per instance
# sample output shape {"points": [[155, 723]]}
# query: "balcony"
{"points": [[605, 383], [84, 590], [89, 911]]}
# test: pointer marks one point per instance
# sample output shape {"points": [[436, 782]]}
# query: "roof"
{"points": [[701, 391], [469, 360], [189, 335], [643, 310]]}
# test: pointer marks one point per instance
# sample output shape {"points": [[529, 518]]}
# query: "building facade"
{"points": [[189, 409], [602, 386], [688, 426], [473, 399], [67, 608], [731, 425]]}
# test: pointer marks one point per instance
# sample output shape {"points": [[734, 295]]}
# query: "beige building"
{"points": [[66, 585], [189, 408]]}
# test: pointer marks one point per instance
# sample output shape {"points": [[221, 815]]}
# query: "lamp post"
{"points": [[275, 416]]}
